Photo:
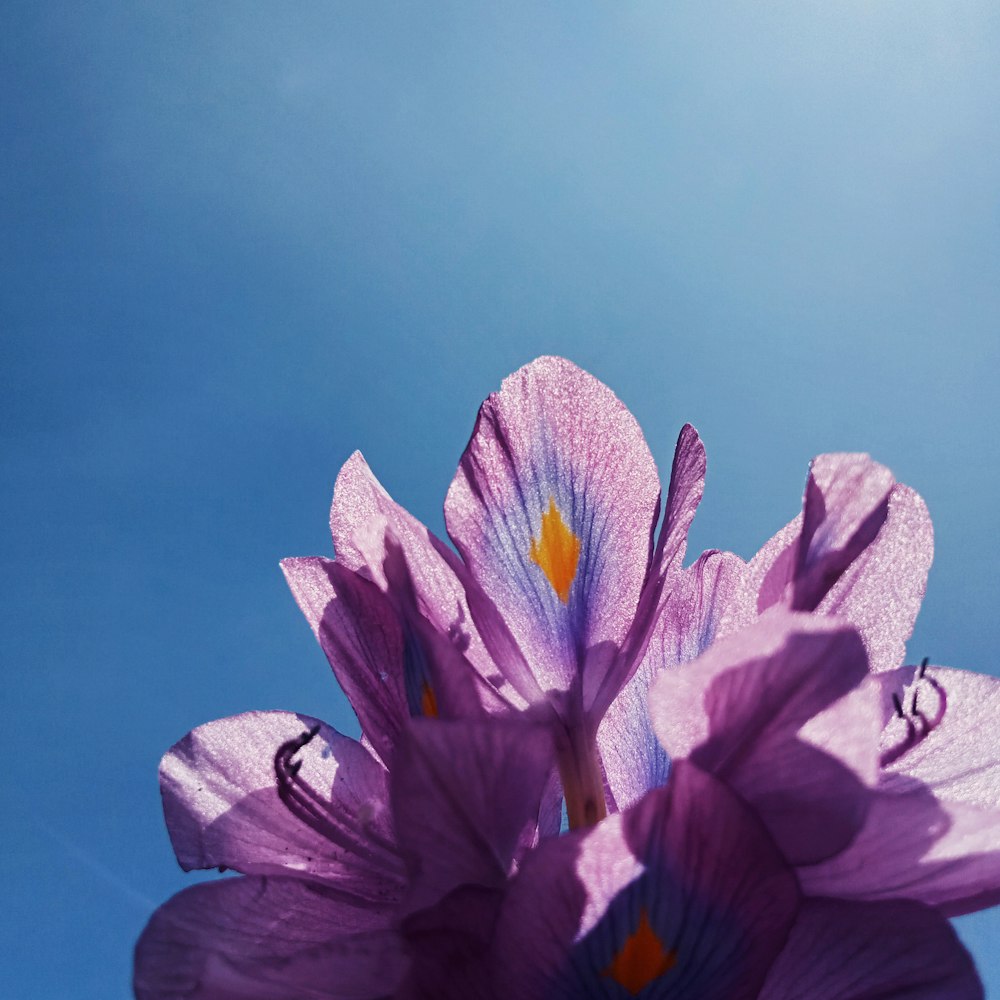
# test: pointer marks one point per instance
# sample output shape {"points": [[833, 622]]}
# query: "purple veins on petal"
{"points": [[777, 713], [553, 509], [222, 801], [682, 896]]}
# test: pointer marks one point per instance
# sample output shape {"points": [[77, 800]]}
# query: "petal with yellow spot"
{"points": [[641, 958], [556, 551]]}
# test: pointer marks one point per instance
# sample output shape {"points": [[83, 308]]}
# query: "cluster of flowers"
{"points": [[760, 801]]}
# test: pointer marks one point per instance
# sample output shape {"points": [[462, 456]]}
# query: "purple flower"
{"points": [[336, 852], [559, 584], [763, 805]]}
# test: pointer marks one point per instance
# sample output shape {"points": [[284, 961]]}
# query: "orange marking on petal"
{"points": [[641, 959], [428, 701], [556, 552]]}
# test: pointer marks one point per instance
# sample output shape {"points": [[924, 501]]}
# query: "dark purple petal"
{"points": [[223, 808], [686, 884], [871, 951], [553, 509], [466, 798], [266, 939], [634, 760], [765, 710], [361, 635]]}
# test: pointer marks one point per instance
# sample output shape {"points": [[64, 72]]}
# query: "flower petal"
{"points": [[685, 890], [466, 798], [361, 514], [933, 831], [634, 759], [746, 711], [658, 603], [845, 505], [856, 951], [881, 591], [223, 808], [266, 939], [362, 637], [553, 509]]}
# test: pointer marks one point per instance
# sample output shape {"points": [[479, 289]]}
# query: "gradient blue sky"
{"points": [[240, 240]]}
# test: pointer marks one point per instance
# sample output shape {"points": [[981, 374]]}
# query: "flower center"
{"points": [[641, 958], [556, 551], [919, 709]]}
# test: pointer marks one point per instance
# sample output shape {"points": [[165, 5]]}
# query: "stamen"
{"points": [[304, 802], [898, 704]]}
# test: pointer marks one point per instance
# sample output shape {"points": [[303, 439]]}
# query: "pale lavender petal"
{"points": [[933, 832], [265, 939], [361, 514], [687, 878], [687, 486], [634, 760], [871, 951], [845, 505], [958, 756], [881, 591], [765, 710], [914, 847], [362, 637], [553, 509], [223, 808], [466, 798]]}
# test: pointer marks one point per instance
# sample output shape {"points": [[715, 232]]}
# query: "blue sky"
{"points": [[241, 240]]}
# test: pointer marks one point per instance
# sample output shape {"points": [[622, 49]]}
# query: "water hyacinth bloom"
{"points": [[561, 576], [762, 803]]}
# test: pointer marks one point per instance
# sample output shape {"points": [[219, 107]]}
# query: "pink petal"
{"points": [[881, 591], [222, 805], [933, 832], [845, 505], [553, 509], [361, 514]]}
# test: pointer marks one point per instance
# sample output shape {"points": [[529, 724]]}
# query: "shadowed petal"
{"points": [[683, 896], [361, 635], [223, 808], [361, 514], [871, 951], [466, 798], [765, 710], [553, 509], [266, 939]]}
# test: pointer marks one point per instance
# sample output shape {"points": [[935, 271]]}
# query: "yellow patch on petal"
{"points": [[428, 702], [556, 552], [641, 959]]}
